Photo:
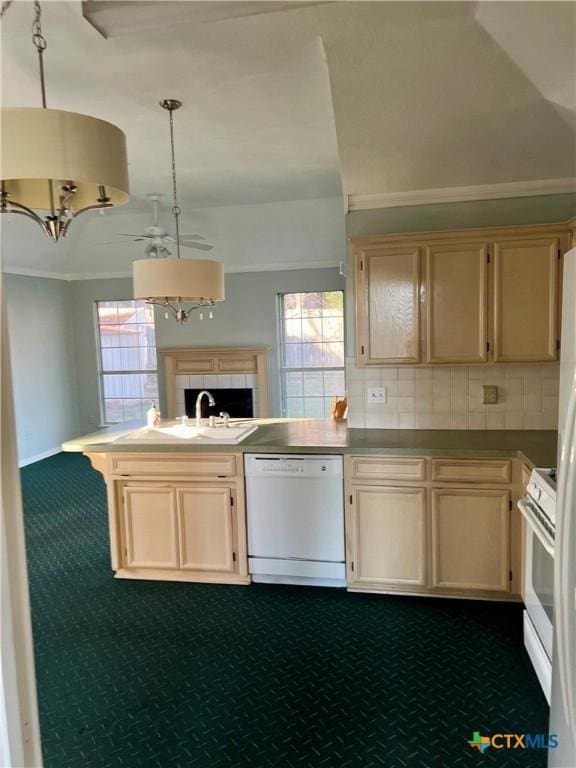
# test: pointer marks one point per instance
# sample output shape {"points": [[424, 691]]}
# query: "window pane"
{"points": [[293, 384], [293, 356], [312, 355], [311, 304], [292, 304], [292, 330], [294, 407], [334, 383], [333, 328], [312, 329], [314, 407], [333, 354], [313, 384], [332, 303]]}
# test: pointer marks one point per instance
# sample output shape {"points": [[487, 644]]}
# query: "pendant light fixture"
{"points": [[57, 162], [178, 285]]}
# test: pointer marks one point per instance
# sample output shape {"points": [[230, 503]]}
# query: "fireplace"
{"points": [[237, 402], [236, 376]]}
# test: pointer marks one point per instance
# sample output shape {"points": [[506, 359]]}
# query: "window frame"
{"points": [[282, 369], [102, 372]]}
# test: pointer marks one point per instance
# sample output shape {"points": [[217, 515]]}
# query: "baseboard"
{"points": [[39, 457]]}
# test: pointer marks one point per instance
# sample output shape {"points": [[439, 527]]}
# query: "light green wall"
{"points": [[477, 213], [544, 209], [247, 317], [42, 360]]}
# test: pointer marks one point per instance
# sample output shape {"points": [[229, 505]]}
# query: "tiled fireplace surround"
{"points": [[443, 397], [214, 382]]}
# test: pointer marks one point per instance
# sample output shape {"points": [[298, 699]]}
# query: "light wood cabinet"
{"points": [[470, 539], [388, 313], [526, 299], [188, 527], [206, 528], [177, 516], [388, 536], [451, 531], [457, 303], [150, 527], [486, 296]]}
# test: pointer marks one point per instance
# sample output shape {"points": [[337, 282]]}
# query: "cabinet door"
{"points": [[456, 296], [526, 299], [388, 536], [205, 518], [388, 282], [470, 539], [150, 528]]}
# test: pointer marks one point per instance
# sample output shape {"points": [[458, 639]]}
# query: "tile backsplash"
{"points": [[444, 397]]}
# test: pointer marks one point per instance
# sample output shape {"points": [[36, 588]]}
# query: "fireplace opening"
{"points": [[237, 402]]}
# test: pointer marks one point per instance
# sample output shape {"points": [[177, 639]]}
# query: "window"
{"points": [[127, 347], [311, 352]]}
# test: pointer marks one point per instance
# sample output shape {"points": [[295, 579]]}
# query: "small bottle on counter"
{"points": [[153, 416]]}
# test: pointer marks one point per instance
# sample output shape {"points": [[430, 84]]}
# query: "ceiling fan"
{"points": [[158, 239]]}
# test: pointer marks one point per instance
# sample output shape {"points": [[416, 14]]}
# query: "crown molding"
{"points": [[461, 194], [71, 277]]}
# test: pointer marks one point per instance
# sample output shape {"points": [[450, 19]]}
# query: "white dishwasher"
{"points": [[295, 511]]}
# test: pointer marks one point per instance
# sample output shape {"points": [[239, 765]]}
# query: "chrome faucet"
{"points": [[211, 401]]}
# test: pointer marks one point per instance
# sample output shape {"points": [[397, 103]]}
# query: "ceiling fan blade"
{"points": [[125, 234], [116, 242], [198, 246], [192, 237]]}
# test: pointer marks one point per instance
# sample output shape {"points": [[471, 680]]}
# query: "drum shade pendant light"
{"points": [[57, 162], [178, 285]]}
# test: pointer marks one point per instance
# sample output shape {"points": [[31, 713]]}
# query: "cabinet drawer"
{"points": [[471, 471], [377, 468], [154, 464]]}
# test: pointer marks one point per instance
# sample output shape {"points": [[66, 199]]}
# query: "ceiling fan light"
{"points": [[41, 145], [194, 280]]}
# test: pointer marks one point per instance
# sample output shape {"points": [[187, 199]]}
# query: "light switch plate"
{"points": [[376, 395], [490, 394]]}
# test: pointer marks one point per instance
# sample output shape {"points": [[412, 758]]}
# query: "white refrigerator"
{"points": [[563, 702]]}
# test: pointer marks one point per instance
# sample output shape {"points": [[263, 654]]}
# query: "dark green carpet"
{"points": [[135, 674]]}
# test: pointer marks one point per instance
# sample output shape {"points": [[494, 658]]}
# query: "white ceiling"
{"points": [[296, 104]]}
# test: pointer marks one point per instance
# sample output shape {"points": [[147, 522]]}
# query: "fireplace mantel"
{"points": [[216, 361]]}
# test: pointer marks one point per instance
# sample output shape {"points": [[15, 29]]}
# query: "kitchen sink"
{"points": [[184, 432]]}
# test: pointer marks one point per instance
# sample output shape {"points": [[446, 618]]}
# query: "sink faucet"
{"points": [[211, 401]]}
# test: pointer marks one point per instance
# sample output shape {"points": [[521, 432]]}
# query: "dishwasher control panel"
{"points": [[288, 465]]}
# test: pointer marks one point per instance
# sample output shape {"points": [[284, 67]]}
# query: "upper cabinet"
{"points": [[457, 303], [475, 296], [388, 316], [526, 299]]}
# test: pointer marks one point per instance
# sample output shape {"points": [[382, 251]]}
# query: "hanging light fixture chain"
{"points": [[4, 8], [171, 105], [40, 43]]}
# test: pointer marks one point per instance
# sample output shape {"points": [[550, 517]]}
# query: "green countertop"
{"points": [[535, 447]]}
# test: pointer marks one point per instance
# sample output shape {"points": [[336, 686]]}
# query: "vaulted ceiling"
{"points": [[301, 101]]}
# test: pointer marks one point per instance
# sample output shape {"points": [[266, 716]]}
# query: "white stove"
{"points": [[542, 491], [539, 510]]}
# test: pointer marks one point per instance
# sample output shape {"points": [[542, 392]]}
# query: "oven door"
{"points": [[538, 576]]}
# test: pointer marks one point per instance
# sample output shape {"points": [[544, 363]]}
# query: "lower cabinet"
{"points": [[431, 538], [206, 529], [188, 527], [388, 536], [471, 539], [149, 527]]}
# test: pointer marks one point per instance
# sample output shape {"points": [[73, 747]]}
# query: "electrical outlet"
{"points": [[490, 394], [376, 395]]}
